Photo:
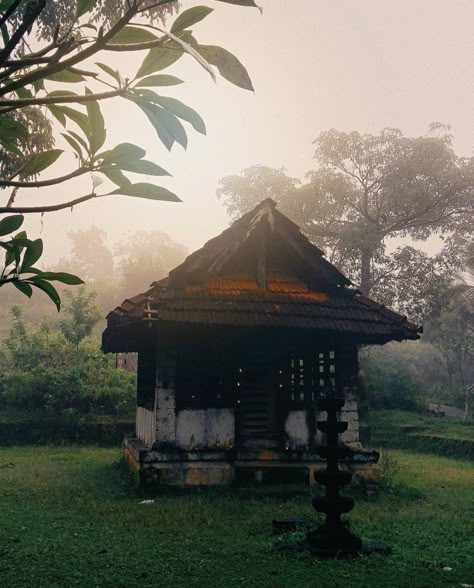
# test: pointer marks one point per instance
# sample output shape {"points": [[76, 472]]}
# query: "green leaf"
{"points": [[228, 65], [63, 277], [159, 80], [242, 3], [39, 162], [122, 153], [189, 17], [112, 72], [96, 123], [48, 289], [38, 85], [23, 93], [24, 288], [10, 224], [148, 191], [58, 114], [33, 252], [9, 146], [74, 144], [179, 109], [79, 118], [65, 76], [166, 125], [115, 175], [16, 246], [59, 93], [6, 5], [79, 139], [141, 166], [84, 6], [130, 35], [157, 59], [11, 129]]}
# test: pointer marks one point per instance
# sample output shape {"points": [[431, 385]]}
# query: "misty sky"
{"points": [[315, 64]]}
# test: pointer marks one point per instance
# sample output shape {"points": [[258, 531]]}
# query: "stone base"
{"points": [[164, 466]]}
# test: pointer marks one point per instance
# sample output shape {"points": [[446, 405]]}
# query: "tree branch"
{"points": [[11, 200], [43, 183], [67, 63], [52, 207], [9, 12], [31, 14], [15, 104]]}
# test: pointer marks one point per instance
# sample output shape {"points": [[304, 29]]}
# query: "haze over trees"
{"points": [[366, 190]]}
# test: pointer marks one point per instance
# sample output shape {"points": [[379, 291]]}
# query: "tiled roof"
{"points": [[286, 304], [199, 292]]}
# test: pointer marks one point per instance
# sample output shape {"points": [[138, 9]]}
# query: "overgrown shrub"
{"points": [[43, 371], [388, 380]]}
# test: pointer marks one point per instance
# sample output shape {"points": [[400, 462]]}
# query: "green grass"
{"points": [[69, 518], [412, 421], [409, 430]]}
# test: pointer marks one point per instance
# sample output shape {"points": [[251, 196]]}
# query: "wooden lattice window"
{"points": [[326, 370], [308, 376]]}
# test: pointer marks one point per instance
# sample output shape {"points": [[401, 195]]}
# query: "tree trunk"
{"points": [[467, 396], [365, 277]]}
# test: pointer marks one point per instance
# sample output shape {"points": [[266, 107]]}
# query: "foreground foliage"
{"points": [[70, 37], [81, 525]]}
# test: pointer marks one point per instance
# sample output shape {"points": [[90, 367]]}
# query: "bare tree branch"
{"points": [[43, 183], [15, 104], [52, 207]]}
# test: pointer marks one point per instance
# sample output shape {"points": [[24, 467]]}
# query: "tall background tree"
{"points": [[70, 36], [366, 191]]}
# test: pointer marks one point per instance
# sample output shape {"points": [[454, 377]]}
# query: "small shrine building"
{"points": [[234, 348]]}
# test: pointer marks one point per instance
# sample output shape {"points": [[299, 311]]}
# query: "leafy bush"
{"points": [[43, 371], [389, 380], [38, 429]]}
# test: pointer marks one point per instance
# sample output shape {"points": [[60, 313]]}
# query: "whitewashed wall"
{"points": [[296, 428], [213, 427]]}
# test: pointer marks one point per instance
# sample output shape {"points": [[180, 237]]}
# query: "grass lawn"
{"points": [[69, 518], [408, 430], [411, 421]]}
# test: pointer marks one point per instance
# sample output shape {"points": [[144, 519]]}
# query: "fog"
{"points": [[315, 65]]}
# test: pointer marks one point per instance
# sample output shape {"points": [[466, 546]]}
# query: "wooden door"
{"points": [[257, 422]]}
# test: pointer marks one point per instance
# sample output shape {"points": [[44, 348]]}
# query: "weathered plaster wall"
{"points": [[166, 398], [166, 415], [350, 414], [296, 428], [214, 427]]}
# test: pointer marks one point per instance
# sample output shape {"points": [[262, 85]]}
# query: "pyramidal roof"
{"points": [[212, 258], [260, 272]]}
